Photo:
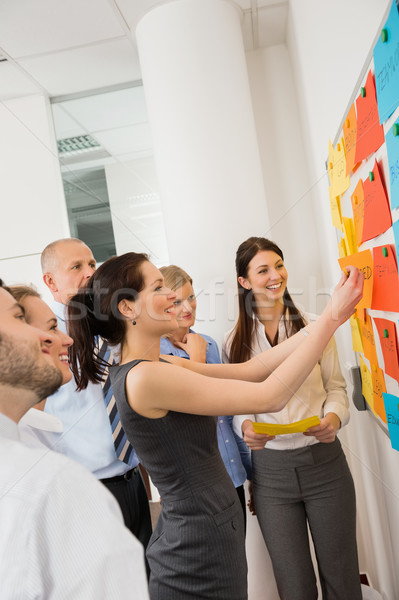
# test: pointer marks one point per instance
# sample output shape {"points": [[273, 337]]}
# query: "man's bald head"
{"points": [[67, 265], [52, 251]]}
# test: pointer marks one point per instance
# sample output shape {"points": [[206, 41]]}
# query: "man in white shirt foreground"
{"points": [[62, 534]]}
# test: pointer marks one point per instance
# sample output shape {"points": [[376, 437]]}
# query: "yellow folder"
{"points": [[277, 429]]}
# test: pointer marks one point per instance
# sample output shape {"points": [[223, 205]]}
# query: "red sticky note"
{"points": [[379, 389], [366, 329], [349, 130], [377, 214], [389, 346], [364, 262], [385, 279], [357, 200], [370, 134]]}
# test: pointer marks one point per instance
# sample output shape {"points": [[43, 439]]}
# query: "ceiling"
{"points": [[60, 48]]}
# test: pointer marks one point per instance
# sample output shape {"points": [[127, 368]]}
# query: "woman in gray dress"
{"points": [[168, 412]]}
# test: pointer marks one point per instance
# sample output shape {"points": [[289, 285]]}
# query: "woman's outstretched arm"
{"points": [[155, 388]]}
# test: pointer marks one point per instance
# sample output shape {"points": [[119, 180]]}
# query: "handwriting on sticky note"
{"points": [[277, 429], [377, 214], [385, 279], [367, 384], [364, 262], [349, 130], [377, 376], [386, 64], [391, 403], [389, 346], [370, 134], [369, 349]]}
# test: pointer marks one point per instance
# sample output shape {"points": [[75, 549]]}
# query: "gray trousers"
{"points": [[309, 486]]}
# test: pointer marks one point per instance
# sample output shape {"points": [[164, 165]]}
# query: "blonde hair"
{"points": [[175, 277]]}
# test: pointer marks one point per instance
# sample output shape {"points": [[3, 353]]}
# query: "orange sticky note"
{"points": [[377, 213], [385, 279], [370, 134], [389, 346], [369, 349], [357, 200], [364, 262], [377, 376], [349, 130], [367, 384]]}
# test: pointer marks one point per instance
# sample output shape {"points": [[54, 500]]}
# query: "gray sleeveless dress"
{"points": [[197, 549]]}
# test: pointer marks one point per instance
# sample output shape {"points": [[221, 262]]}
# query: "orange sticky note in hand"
{"points": [[377, 213], [364, 262], [370, 134], [357, 200], [349, 130], [385, 279]]}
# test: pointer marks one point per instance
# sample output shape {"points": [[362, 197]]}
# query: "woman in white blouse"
{"points": [[300, 480]]}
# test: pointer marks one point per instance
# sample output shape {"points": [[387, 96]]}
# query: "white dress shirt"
{"points": [[87, 436], [62, 533], [39, 428], [323, 391]]}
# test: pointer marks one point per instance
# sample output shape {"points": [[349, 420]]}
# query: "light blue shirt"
{"points": [[234, 451], [87, 433]]}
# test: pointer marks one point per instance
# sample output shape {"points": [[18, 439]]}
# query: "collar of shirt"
{"points": [[40, 420], [60, 310]]}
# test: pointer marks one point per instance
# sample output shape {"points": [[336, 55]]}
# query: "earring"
{"points": [[133, 322]]}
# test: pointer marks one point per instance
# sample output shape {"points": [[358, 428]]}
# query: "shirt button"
{"points": [[221, 421], [227, 441], [232, 460]]}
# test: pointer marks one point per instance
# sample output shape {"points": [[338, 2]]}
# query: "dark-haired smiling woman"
{"points": [[197, 549], [299, 480]]}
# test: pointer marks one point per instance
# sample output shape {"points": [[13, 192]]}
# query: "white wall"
{"points": [[33, 209], [327, 53]]}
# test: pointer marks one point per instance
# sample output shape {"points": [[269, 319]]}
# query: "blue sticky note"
{"points": [[392, 142], [395, 228], [392, 411], [386, 66]]}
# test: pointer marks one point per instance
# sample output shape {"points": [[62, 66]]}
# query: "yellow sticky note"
{"points": [[335, 207], [342, 249], [341, 179], [367, 384], [357, 343], [277, 429], [350, 238]]}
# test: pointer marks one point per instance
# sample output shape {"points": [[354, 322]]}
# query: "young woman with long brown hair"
{"points": [[299, 480], [197, 549]]}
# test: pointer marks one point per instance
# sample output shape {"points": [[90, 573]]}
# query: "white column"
{"points": [[33, 211], [199, 105]]}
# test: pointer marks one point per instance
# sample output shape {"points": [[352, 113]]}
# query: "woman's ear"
{"points": [[127, 309], [244, 283]]}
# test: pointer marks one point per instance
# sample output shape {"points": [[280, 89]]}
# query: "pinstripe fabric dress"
{"points": [[197, 549]]}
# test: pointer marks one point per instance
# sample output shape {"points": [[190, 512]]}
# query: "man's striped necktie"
{"points": [[123, 448]]}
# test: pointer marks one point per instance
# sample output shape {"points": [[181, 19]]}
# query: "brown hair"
{"points": [[243, 333], [175, 277], [93, 312], [20, 291]]}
